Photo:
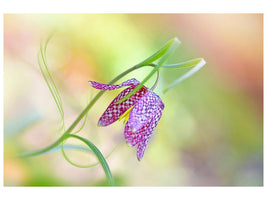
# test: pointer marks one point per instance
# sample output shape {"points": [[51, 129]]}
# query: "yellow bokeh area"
{"points": [[211, 130]]}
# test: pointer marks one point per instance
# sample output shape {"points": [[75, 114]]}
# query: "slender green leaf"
{"points": [[63, 147], [83, 124], [100, 157], [197, 67], [49, 80], [85, 118], [70, 147], [189, 63], [159, 53], [173, 45], [72, 163]]}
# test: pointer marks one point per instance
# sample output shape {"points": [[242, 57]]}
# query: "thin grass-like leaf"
{"points": [[172, 45], [85, 117], [63, 147], [189, 63], [53, 85], [159, 53], [69, 147], [49, 80], [83, 124], [197, 67], [72, 163], [99, 156]]}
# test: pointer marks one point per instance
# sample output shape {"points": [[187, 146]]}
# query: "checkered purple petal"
{"points": [[141, 148], [114, 111], [147, 134], [144, 116], [133, 138], [143, 111], [102, 86], [142, 136]]}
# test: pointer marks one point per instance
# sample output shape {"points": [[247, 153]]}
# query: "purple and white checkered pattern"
{"points": [[142, 136], [114, 111], [143, 111], [101, 86], [144, 116]]}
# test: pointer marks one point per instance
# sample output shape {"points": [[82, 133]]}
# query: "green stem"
{"points": [[41, 151]]}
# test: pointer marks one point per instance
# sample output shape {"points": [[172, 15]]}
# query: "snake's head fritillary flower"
{"points": [[141, 112]]}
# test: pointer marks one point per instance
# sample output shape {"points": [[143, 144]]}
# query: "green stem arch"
{"points": [[99, 155]]}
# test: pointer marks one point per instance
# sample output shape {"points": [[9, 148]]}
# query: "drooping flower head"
{"points": [[142, 112]]}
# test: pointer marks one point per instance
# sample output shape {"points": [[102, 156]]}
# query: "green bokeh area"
{"points": [[211, 130]]}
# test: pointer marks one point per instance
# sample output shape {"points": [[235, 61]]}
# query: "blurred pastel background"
{"points": [[211, 131]]}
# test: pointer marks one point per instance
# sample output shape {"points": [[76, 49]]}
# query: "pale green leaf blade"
{"points": [[174, 44], [197, 67]]}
